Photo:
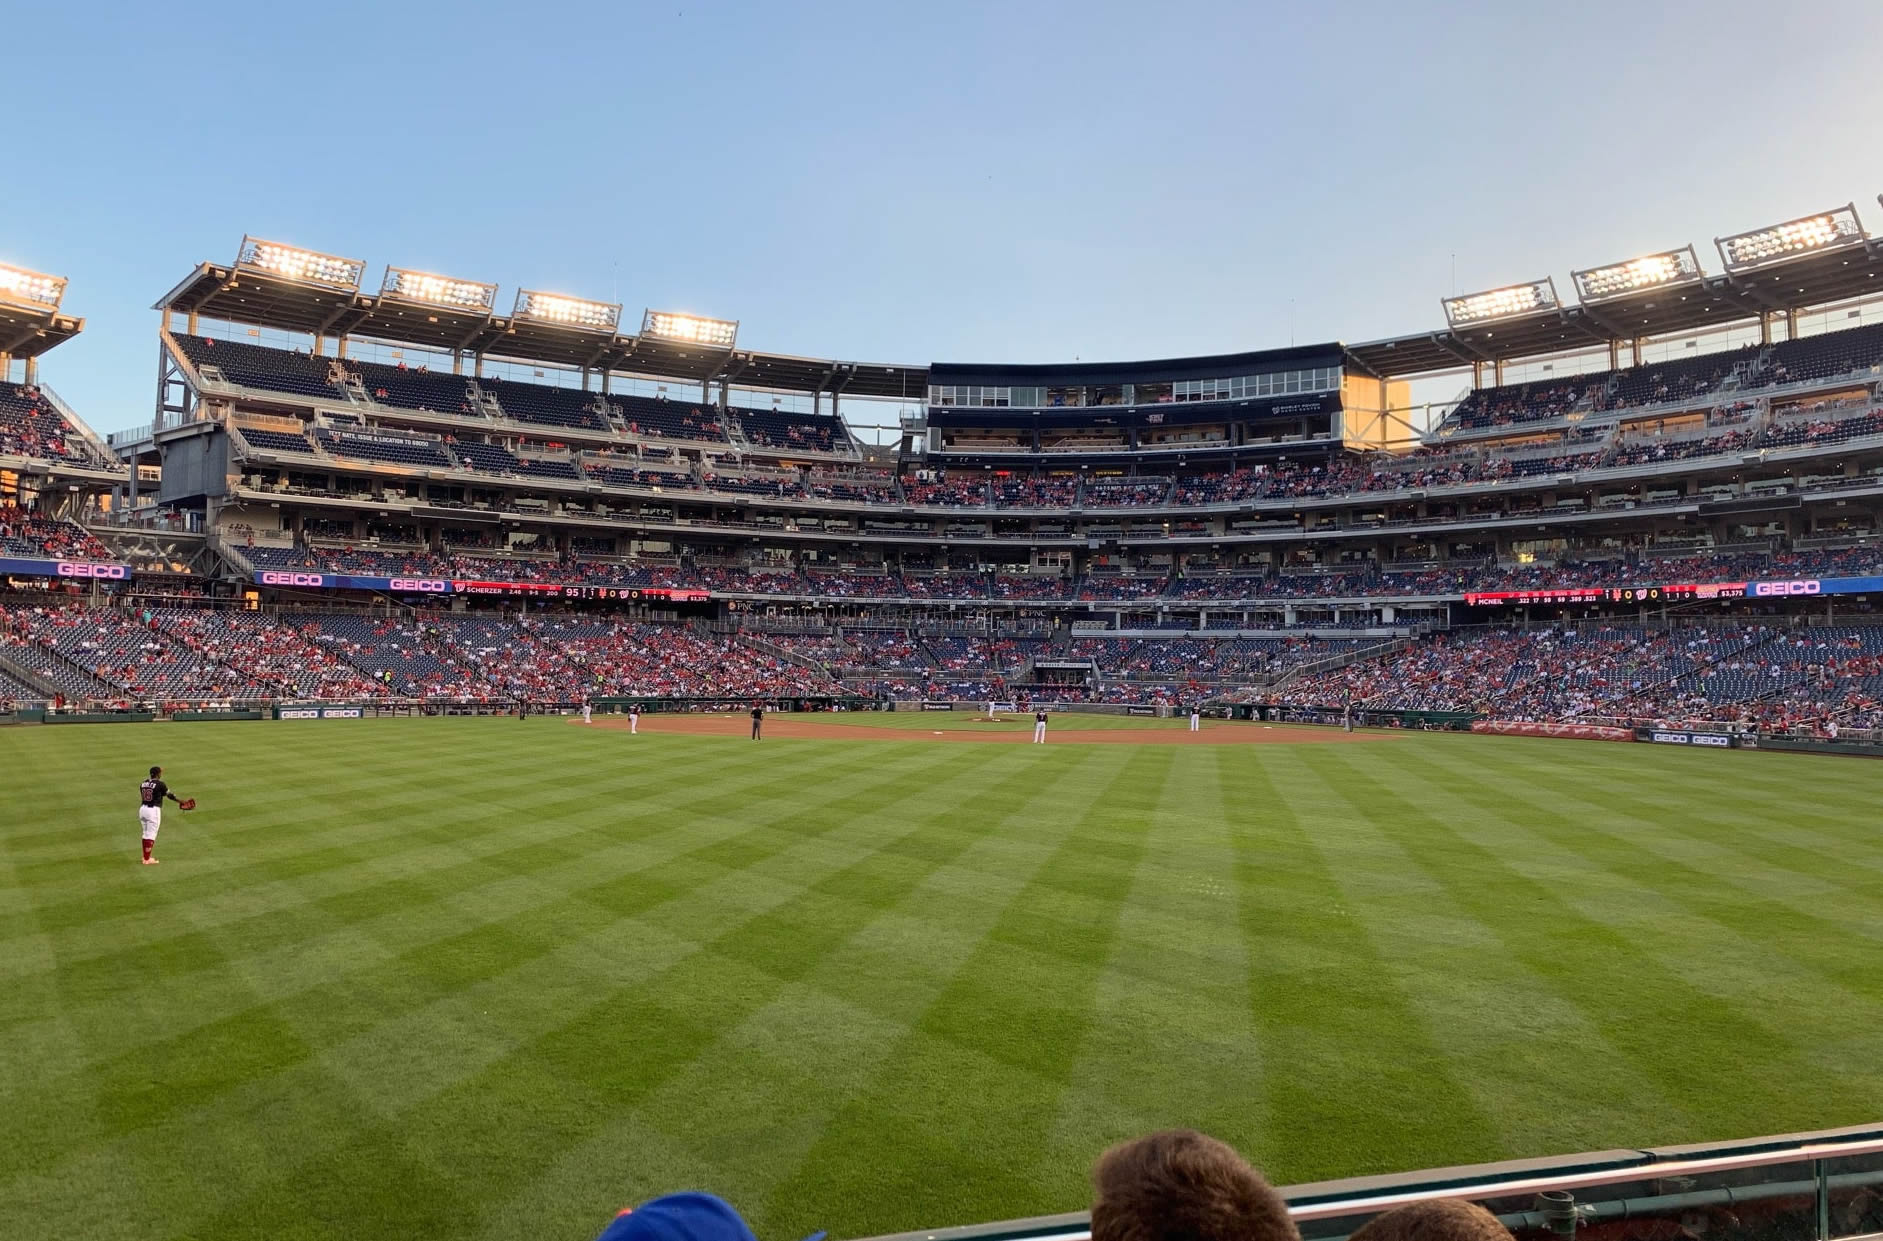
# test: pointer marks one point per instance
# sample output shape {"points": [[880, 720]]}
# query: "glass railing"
{"points": [[1793, 1187]]}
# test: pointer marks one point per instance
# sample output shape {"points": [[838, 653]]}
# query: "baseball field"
{"points": [[490, 979]]}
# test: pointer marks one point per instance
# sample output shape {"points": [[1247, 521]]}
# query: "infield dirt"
{"points": [[823, 728]]}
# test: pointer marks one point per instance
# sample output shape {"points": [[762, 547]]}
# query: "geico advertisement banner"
{"points": [[346, 581], [1664, 736], [1805, 587], [90, 570]]}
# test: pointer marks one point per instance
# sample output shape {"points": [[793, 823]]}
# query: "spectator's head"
{"points": [[1179, 1185], [679, 1217], [1443, 1219]]}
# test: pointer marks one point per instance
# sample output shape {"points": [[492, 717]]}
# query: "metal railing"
{"points": [[1817, 1186]]}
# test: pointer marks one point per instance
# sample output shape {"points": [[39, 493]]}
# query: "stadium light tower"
{"points": [[690, 329], [302, 266], [425, 289], [1510, 302], [560, 311], [30, 290], [1668, 269], [1827, 230]]}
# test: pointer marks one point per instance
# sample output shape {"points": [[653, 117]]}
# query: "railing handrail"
{"points": [[1363, 1196]]}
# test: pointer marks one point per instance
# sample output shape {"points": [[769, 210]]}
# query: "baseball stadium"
{"points": [[592, 758]]}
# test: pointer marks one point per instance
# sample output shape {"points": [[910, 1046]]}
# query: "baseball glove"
{"points": [[188, 803]]}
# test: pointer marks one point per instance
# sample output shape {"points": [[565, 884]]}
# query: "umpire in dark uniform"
{"points": [[758, 720]]}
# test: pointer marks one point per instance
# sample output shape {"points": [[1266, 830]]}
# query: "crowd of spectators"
{"points": [[1752, 674], [31, 427], [34, 537]]}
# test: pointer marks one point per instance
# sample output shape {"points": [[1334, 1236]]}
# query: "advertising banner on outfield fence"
{"points": [[84, 570], [1678, 736], [1140, 710], [1575, 732], [318, 713], [938, 706]]}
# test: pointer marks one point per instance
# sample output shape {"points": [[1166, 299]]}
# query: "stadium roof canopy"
{"points": [[27, 333], [246, 293], [1848, 265], [30, 322]]}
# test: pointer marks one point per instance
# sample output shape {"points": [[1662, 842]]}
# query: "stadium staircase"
{"points": [[18, 670], [778, 652], [1342, 659], [41, 666], [484, 403], [95, 444]]}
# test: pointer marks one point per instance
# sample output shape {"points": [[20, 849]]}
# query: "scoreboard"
{"points": [[1678, 591]]}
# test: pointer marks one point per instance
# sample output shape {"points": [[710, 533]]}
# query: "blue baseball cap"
{"points": [[680, 1217]]}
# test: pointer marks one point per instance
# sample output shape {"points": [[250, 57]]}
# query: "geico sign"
{"points": [[115, 572], [419, 583], [293, 579], [1767, 589]]}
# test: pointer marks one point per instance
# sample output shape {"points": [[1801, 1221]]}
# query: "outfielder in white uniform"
{"points": [[1039, 728], [634, 718]]}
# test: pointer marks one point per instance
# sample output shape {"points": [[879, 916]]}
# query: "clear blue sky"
{"points": [[896, 182]]}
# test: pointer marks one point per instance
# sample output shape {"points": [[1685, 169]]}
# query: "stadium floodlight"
{"points": [[1824, 231], [566, 311], [32, 289], [304, 266], [690, 329], [1652, 271], [1505, 303], [426, 289]]}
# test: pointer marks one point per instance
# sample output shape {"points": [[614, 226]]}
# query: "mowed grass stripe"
{"points": [[557, 1087], [1643, 1009], [395, 1051], [1174, 1042], [787, 1088], [305, 826], [285, 943], [1324, 1000], [998, 1044], [1743, 840], [129, 1090], [828, 1035], [1502, 1025], [440, 846], [1810, 961]]}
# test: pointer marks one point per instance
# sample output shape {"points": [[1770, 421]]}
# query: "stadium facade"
{"points": [[1660, 499]]}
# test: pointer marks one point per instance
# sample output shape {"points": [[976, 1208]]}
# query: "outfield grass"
{"points": [[490, 979]]}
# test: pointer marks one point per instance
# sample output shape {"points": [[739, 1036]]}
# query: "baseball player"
{"points": [[1039, 727], [588, 711], [1196, 718], [634, 718], [758, 721], [150, 798], [991, 714]]}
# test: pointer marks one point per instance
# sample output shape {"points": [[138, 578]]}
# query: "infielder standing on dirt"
{"points": [[1039, 727]]}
